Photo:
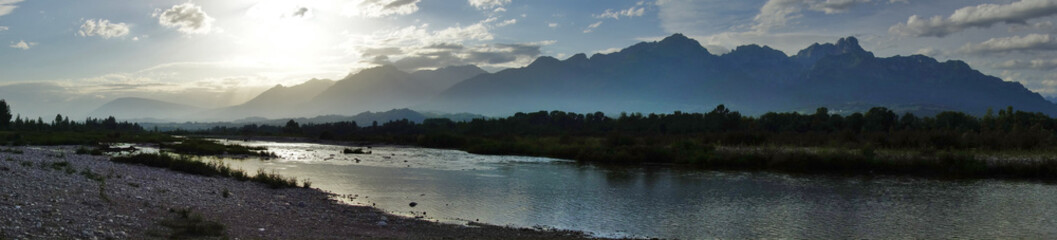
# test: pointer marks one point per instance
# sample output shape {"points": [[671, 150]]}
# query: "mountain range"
{"points": [[672, 74], [677, 73]]}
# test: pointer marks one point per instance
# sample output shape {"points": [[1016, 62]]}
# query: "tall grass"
{"points": [[188, 225], [195, 146], [187, 164]]}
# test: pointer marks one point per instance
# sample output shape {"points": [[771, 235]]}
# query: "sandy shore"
{"points": [[52, 193]]}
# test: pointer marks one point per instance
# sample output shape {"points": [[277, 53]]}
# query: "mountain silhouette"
{"points": [[677, 73], [276, 102], [386, 87]]}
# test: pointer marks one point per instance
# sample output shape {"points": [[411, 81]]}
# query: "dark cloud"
{"points": [[979, 16], [301, 12], [451, 54]]}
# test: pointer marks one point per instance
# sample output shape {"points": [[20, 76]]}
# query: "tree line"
{"points": [[878, 127], [60, 123]]}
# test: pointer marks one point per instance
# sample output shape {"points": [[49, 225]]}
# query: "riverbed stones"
{"points": [[40, 202]]}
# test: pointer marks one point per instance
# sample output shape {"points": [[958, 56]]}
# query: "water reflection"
{"points": [[666, 202]]}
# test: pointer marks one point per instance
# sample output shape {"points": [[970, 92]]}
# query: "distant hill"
{"points": [[387, 87], [443, 78], [677, 73], [362, 119], [279, 101], [142, 109]]}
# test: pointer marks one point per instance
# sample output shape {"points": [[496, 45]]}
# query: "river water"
{"points": [[455, 186]]}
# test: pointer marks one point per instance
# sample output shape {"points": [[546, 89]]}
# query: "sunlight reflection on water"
{"points": [[455, 186]]}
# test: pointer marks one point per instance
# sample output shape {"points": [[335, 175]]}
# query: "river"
{"points": [[455, 186]]}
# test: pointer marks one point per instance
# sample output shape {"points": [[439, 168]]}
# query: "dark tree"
{"points": [[5, 115], [292, 127]]}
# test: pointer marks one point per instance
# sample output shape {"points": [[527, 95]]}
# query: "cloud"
{"points": [[187, 18], [8, 6], [552, 25], [591, 28], [3, 28], [103, 28], [380, 8], [979, 16], [488, 4], [931, 52], [1036, 64], [634, 11], [1028, 43], [506, 23], [608, 50], [487, 55], [22, 45], [300, 12], [418, 47], [777, 13]]}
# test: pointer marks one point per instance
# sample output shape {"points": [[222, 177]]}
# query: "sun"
{"points": [[284, 31]]}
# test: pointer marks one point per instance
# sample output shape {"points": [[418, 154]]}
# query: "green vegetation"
{"points": [[187, 164], [1010, 143], [274, 180], [188, 225], [62, 131], [60, 166], [85, 150], [202, 147], [184, 164]]}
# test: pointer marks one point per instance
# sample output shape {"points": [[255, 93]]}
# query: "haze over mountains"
{"points": [[676, 73]]}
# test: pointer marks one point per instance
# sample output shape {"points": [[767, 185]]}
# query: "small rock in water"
{"points": [[413, 204], [382, 223]]}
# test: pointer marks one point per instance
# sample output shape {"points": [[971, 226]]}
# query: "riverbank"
{"points": [[50, 192], [1030, 165]]}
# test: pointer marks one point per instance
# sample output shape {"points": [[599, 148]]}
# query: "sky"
{"points": [[221, 53]]}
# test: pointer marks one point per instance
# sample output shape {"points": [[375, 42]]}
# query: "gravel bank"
{"points": [[52, 193]]}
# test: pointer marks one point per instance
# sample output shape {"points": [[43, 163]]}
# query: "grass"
{"points": [[202, 147], [60, 166], [191, 165], [82, 150], [188, 225], [86, 172], [616, 149], [11, 150], [52, 138], [273, 179]]}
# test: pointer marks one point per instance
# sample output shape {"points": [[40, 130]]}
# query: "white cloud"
{"points": [[380, 8], [608, 50], [488, 4], [187, 18], [591, 28], [418, 47], [552, 25], [506, 23], [634, 11], [1028, 43], [979, 16], [931, 52], [1036, 64], [103, 28], [22, 45], [3, 28], [8, 6], [777, 13]]}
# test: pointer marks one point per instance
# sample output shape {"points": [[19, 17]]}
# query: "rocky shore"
{"points": [[52, 193]]}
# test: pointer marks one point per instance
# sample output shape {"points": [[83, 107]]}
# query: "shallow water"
{"points": [[455, 186]]}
